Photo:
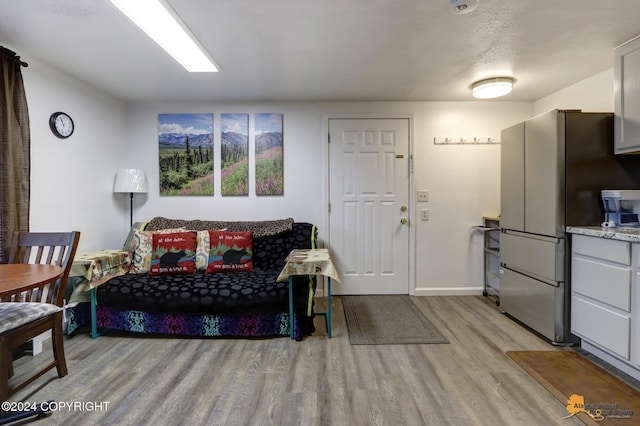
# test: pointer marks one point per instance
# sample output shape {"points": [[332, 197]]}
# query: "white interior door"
{"points": [[369, 204]]}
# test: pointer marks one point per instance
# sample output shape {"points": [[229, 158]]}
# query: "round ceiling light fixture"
{"points": [[492, 87], [460, 7]]}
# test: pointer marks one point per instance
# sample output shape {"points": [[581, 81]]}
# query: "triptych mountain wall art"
{"points": [[188, 148]]}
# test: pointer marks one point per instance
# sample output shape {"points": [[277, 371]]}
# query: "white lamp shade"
{"points": [[131, 181], [492, 87]]}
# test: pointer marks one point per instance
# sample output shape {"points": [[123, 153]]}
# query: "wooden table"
{"points": [[19, 277]]}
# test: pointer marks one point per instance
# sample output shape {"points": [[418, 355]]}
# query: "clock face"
{"points": [[61, 124]]}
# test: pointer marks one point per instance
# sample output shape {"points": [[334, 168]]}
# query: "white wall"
{"points": [[464, 185], [302, 165], [72, 179], [593, 94], [463, 180]]}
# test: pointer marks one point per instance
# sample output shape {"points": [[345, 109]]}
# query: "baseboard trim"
{"points": [[610, 359], [449, 291], [431, 291]]}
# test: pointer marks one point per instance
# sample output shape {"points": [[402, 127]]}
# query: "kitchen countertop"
{"points": [[623, 233]]}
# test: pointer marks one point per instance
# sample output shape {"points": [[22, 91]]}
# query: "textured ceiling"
{"points": [[352, 50]]}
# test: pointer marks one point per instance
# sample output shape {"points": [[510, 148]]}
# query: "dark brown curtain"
{"points": [[15, 142]]}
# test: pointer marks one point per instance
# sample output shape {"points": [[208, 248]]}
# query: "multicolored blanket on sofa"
{"points": [[218, 304]]}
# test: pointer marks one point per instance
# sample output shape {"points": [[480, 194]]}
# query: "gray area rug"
{"points": [[387, 320]]}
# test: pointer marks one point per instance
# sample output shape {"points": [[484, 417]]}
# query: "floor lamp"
{"points": [[131, 181]]}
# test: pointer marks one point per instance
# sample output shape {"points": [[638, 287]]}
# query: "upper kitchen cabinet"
{"points": [[626, 91]]}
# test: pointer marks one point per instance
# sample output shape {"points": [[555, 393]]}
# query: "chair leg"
{"points": [[5, 363], [58, 346]]}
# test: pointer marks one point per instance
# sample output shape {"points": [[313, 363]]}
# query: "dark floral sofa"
{"points": [[206, 303]]}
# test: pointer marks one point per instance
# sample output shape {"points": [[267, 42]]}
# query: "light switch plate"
{"points": [[424, 214], [423, 195]]}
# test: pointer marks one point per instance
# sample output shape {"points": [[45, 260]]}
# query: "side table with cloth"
{"points": [[310, 262], [89, 271]]}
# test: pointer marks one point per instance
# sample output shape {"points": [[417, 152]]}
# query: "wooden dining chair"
{"points": [[25, 315]]}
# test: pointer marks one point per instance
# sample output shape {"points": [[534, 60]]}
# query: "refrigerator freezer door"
{"points": [[512, 178], [536, 256], [544, 174], [534, 303]]}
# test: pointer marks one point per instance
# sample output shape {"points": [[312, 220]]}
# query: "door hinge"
{"points": [[328, 137], [329, 207]]}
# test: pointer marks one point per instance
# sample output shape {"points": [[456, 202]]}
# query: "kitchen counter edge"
{"points": [[631, 235]]}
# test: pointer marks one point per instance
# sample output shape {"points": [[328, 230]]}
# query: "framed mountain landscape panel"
{"points": [[269, 154], [234, 154], [186, 154]]}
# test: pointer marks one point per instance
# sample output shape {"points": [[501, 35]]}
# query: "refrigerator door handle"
{"points": [[530, 275]]}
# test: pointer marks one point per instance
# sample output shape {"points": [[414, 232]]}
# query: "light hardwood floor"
{"points": [[319, 381]]}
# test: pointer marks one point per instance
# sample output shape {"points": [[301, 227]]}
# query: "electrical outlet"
{"points": [[424, 214], [423, 195]]}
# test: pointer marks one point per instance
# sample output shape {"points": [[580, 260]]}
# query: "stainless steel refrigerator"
{"points": [[553, 168]]}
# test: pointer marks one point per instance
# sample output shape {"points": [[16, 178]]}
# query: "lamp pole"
{"points": [[131, 210], [130, 181]]}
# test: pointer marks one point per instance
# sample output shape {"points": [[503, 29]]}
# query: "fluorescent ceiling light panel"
{"points": [[162, 24]]}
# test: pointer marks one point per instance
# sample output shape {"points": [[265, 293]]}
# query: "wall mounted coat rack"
{"points": [[465, 141]]}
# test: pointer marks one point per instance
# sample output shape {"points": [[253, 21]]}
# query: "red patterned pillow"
{"points": [[174, 253], [230, 251]]}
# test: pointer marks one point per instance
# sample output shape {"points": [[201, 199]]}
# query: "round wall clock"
{"points": [[61, 125]]}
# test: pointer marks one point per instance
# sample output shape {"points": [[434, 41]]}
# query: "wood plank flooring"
{"points": [[319, 381]]}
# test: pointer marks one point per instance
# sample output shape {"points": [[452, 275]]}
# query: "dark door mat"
{"points": [[387, 320]]}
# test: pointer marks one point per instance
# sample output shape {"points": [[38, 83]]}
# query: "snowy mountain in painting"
{"points": [[234, 139], [267, 140], [178, 140]]}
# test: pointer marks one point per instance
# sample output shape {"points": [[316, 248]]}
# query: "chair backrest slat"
{"points": [[53, 248], [26, 256]]}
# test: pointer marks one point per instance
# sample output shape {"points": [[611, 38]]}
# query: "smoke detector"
{"points": [[460, 7]]}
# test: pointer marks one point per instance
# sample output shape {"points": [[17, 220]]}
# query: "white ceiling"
{"points": [[328, 50]]}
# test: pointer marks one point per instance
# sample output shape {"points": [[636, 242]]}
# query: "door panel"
{"points": [[512, 178], [530, 301], [542, 258], [368, 188], [544, 174]]}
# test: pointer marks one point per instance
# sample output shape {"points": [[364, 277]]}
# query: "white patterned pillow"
{"points": [[202, 251], [143, 248]]}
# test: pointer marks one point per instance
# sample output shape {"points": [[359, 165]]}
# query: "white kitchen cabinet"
{"points": [[627, 97], [605, 294], [601, 293], [601, 270], [604, 299], [635, 308]]}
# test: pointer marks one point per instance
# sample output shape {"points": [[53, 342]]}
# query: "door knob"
{"points": [[403, 208], [403, 220]]}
